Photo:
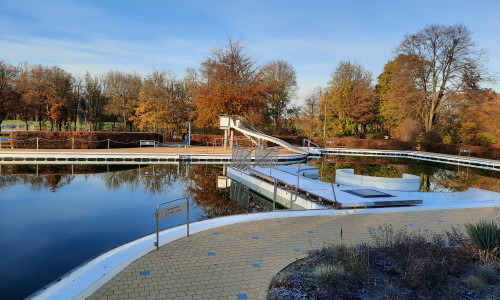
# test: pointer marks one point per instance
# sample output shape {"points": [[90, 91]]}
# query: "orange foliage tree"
{"points": [[230, 84]]}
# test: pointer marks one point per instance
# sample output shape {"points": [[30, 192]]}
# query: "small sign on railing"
{"points": [[168, 212], [464, 150]]}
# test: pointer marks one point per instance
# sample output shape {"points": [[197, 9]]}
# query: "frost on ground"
{"points": [[396, 265]]}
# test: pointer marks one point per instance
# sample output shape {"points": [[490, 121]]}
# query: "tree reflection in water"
{"points": [[201, 179], [216, 202], [434, 177]]}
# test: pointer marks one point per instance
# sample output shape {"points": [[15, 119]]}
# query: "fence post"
{"points": [[72, 144], [187, 216], [36, 143], [108, 145], [274, 194]]}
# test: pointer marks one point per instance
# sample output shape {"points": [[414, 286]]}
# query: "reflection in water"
{"points": [[434, 177], [217, 202], [156, 179]]}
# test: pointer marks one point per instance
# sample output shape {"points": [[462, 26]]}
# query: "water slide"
{"points": [[240, 124]]}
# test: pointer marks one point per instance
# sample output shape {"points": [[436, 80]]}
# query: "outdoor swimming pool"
{"points": [[55, 217]]}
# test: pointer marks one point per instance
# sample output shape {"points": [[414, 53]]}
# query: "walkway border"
{"points": [[16, 157]]}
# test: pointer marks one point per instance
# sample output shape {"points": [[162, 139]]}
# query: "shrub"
{"points": [[329, 274], [475, 283], [409, 130], [486, 272], [448, 139], [485, 236], [485, 139], [432, 137]]}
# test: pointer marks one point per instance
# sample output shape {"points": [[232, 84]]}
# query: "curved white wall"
{"points": [[409, 183]]}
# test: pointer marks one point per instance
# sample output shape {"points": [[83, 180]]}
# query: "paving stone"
{"points": [[182, 269]]}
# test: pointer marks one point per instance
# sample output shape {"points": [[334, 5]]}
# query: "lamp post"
{"points": [[324, 122], [189, 134]]}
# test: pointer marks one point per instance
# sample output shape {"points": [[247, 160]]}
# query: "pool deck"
{"points": [[234, 257], [238, 261]]}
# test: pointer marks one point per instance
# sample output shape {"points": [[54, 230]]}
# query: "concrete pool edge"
{"points": [[88, 278]]}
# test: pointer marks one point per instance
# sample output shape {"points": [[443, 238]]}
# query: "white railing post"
{"points": [[72, 144], [36, 143]]}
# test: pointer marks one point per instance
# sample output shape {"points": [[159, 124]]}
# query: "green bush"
{"points": [[485, 236], [485, 139]]}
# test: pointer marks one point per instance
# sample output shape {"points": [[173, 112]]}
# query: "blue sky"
{"points": [[313, 36]]}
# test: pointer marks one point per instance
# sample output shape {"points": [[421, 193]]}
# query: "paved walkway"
{"points": [[238, 261]]}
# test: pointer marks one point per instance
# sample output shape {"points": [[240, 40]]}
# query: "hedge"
{"points": [[98, 140], [82, 139]]}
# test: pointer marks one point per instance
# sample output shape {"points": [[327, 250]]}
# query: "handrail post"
{"points": [[72, 144], [275, 191], [108, 145], [187, 224], [157, 229], [36, 143]]}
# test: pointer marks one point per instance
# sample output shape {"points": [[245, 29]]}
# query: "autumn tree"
{"points": [[401, 92], [351, 100], [34, 85], [163, 103], [59, 92], [475, 110], [122, 89], [9, 97], [444, 52], [311, 121], [154, 104], [280, 85], [229, 84]]}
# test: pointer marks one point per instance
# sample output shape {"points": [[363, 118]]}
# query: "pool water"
{"points": [[55, 217]]}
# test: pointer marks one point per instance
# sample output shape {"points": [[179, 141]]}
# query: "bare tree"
{"points": [[94, 100], [445, 53], [9, 97]]}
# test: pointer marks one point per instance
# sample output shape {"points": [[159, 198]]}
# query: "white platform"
{"points": [[408, 183]]}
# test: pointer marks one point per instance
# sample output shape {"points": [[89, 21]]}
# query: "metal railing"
{"points": [[266, 157], [37, 141], [241, 158]]}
